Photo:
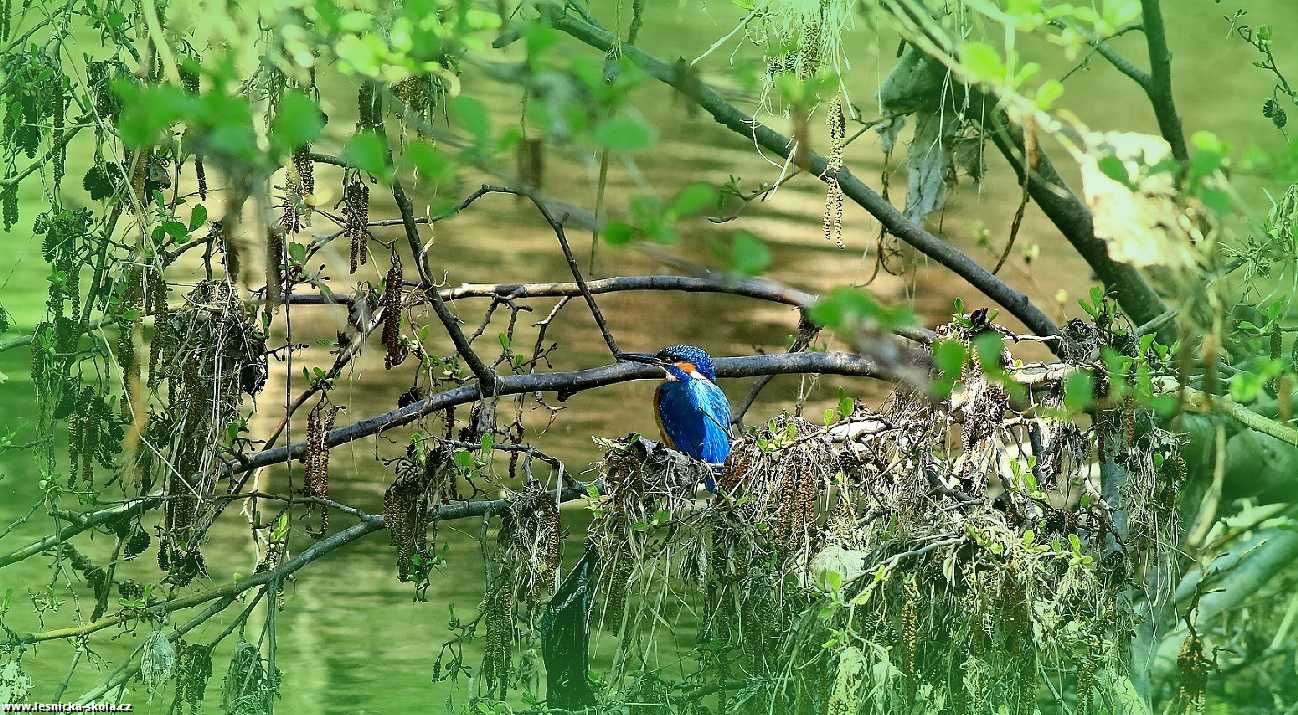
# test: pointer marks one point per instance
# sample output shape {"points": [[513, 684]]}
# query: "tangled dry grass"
{"points": [[967, 555]]}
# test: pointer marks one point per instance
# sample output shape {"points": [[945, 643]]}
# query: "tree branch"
{"points": [[368, 524], [1203, 402], [1074, 220], [87, 521], [480, 370], [569, 383], [1122, 64], [1160, 75], [897, 224]]}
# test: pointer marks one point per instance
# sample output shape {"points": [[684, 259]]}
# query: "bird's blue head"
{"points": [[680, 362]]}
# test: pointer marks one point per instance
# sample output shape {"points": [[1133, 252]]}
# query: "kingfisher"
{"points": [[693, 413]]}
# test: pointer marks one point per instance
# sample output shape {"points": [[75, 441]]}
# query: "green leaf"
{"points": [[844, 308], [846, 406], [1079, 391], [226, 125], [280, 532], [1207, 141], [147, 113], [297, 122], [355, 21], [367, 152], [1114, 168], [432, 164], [949, 357], [175, 229], [989, 346], [1217, 200], [624, 134], [297, 252], [983, 61], [472, 115], [1025, 73], [749, 254], [693, 199], [618, 234], [197, 217], [539, 37], [1048, 93]]}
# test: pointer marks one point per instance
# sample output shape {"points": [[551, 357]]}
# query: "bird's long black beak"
{"points": [[645, 358]]}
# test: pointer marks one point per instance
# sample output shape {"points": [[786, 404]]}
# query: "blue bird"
{"points": [[693, 413]]}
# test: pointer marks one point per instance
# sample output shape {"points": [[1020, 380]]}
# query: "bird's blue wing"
{"points": [[694, 416]]}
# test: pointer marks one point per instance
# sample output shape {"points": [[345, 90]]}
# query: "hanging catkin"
{"points": [[305, 167], [190, 81], [356, 218], [392, 315], [833, 220], [316, 463]]}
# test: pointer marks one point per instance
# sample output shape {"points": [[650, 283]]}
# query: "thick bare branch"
{"points": [[569, 383], [449, 320], [728, 115], [1074, 220], [1160, 76]]}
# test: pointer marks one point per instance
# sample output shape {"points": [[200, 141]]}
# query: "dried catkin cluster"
{"points": [[290, 218], [193, 669], [908, 631], [250, 685], [833, 219], [1088, 666], [315, 465], [410, 507], [532, 536], [155, 303], [369, 113], [304, 167], [213, 356], [83, 435], [157, 658], [275, 256], [58, 108], [419, 95], [809, 55], [391, 303], [1193, 668], [795, 518], [497, 610], [356, 219]]}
